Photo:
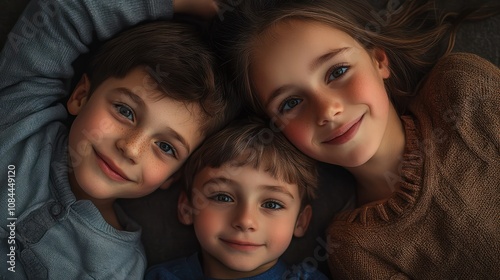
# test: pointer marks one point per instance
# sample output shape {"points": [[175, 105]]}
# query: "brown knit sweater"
{"points": [[444, 221]]}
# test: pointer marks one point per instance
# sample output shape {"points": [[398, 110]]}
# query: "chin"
{"points": [[354, 160], [97, 194], [94, 190], [353, 164], [243, 266]]}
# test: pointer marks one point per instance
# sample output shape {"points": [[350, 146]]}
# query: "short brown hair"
{"points": [[251, 141], [179, 61]]}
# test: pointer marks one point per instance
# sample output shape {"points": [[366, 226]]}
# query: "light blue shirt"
{"points": [[44, 232]]}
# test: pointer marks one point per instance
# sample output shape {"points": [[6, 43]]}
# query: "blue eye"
{"points": [[289, 104], [336, 72], [166, 148], [272, 205], [125, 111], [222, 198]]}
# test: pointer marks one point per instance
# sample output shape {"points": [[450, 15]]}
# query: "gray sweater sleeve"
{"points": [[35, 63]]}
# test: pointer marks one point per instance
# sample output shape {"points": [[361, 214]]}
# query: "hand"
{"points": [[202, 8]]}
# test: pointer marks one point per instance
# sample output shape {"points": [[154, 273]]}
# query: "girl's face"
{"points": [[324, 90]]}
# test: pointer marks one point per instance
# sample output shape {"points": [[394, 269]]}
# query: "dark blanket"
{"points": [[165, 238]]}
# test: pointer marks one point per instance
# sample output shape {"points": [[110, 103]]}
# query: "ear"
{"points": [[80, 96], [184, 209], [382, 62], [302, 222], [172, 179]]}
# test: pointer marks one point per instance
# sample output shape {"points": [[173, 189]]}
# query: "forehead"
{"points": [[164, 113], [146, 89], [287, 50], [298, 36], [244, 178]]}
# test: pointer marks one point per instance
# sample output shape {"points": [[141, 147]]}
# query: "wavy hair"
{"points": [[412, 35]]}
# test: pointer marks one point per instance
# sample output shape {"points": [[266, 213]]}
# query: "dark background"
{"points": [[165, 238]]}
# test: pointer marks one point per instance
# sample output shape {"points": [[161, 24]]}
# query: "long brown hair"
{"points": [[412, 34]]}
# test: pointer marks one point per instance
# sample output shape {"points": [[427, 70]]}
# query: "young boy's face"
{"points": [[244, 219], [127, 139]]}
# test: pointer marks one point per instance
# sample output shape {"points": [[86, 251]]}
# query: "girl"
{"points": [[347, 85]]}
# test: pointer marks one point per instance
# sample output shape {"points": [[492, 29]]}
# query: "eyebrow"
{"points": [[325, 57], [314, 65], [228, 181], [279, 189], [179, 138], [131, 95], [137, 99]]}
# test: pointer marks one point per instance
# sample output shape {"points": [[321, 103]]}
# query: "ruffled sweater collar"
{"points": [[406, 194]]}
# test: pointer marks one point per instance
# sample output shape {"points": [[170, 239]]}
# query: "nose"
{"points": [[132, 145], [327, 107], [245, 218]]}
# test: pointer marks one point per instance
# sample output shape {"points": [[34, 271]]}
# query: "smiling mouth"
{"points": [[110, 169], [240, 245], [345, 132]]}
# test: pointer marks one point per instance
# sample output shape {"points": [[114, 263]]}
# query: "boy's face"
{"points": [[244, 219], [126, 141]]}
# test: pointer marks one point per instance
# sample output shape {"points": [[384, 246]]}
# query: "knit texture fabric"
{"points": [[46, 233], [443, 221]]}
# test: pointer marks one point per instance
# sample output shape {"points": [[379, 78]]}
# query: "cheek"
{"points": [[281, 238], [369, 91], [207, 222], [359, 89], [155, 171], [81, 135], [91, 125], [299, 133]]}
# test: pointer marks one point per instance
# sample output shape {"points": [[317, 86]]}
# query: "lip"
{"points": [[110, 168], [241, 245], [344, 133]]}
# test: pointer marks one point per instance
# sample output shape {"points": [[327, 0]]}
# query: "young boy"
{"points": [[247, 194], [148, 99]]}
